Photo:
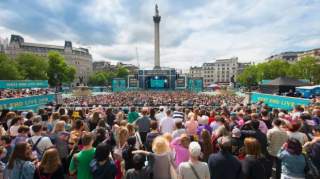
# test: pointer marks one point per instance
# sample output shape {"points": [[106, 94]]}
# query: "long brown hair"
{"points": [[207, 147], [252, 146], [50, 161], [19, 152]]}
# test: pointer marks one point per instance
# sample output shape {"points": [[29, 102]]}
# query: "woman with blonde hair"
{"points": [[168, 137], [122, 137], [60, 138], [161, 161], [50, 166], [119, 117]]}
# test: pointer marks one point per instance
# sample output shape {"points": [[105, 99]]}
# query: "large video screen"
{"points": [[157, 83]]}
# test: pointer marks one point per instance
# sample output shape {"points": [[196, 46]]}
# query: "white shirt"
{"points": [[44, 143], [160, 116], [202, 169], [167, 125]]}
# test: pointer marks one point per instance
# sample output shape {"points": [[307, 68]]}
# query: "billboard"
{"points": [[275, 101], [133, 82], [18, 84], [195, 84], [118, 84], [181, 82], [22, 103]]}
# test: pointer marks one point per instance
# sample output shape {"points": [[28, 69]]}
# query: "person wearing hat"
{"points": [[220, 163], [194, 169]]}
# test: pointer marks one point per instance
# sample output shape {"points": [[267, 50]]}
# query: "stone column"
{"points": [[156, 20]]}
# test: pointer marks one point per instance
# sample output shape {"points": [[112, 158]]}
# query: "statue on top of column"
{"points": [[157, 10]]}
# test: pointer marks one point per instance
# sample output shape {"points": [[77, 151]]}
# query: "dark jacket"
{"points": [[138, 174], [223, 165], [105, 171], [314, 154], [253, 168]]}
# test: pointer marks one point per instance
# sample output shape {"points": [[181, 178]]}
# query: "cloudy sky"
{"points": [[192, 31]]}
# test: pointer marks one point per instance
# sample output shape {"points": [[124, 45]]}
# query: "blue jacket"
{"points": [[21, 170], [292, 165]]}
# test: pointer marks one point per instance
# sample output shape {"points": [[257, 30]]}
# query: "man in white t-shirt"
{"points": [[167, 124], [43, 141], [194, 168]]}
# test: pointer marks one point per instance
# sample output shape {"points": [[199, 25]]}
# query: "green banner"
{"points": [[19, 103], [282, 102], [119, 85], [18, 84]]}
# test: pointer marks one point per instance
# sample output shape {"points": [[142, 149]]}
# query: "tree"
{"points": [[98, 79], [59, 71], [306, 68], [32, 67], [249, 77], [101, 78], [8, 69], [122, 72]]}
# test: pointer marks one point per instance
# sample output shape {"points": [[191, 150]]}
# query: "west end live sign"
{"points": [[17, 103], [18, 84], [281, 102]]}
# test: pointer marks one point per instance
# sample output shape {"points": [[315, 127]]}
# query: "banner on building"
{"points": [[20, 103], [118, 85], [275, 101], [18, 84]]}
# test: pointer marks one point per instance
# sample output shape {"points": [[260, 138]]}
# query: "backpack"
{"points": [[35, 149]]}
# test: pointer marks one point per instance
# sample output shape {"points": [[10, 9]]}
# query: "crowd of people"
{"points": [[20, 93], [152, 98], [231, 140]]}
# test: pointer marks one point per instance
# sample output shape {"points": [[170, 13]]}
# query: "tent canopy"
{"points": [[286, 81]]}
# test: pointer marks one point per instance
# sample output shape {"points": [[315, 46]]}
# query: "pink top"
{"points": [[181, 153], [191, 127], [263, 127]]}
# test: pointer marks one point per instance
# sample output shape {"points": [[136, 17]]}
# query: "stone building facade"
{"points": [[80, 58]]}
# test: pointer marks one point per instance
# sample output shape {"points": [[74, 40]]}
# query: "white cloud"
{"points": [[190, 35]]}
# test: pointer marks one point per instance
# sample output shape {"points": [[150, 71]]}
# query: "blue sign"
{"points": [[18, 84], [195, 84], [281, 102], [20, 103], [157, 83], [118, 85]]}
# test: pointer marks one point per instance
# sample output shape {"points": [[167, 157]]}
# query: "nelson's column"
{"points": [[156, 20]]}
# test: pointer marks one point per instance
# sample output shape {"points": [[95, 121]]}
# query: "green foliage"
{"points": [[59, 71], [32, 67], [306, 68], [8, 69], [98, 79], [102, 78], [249, 77], [122, 72]]}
